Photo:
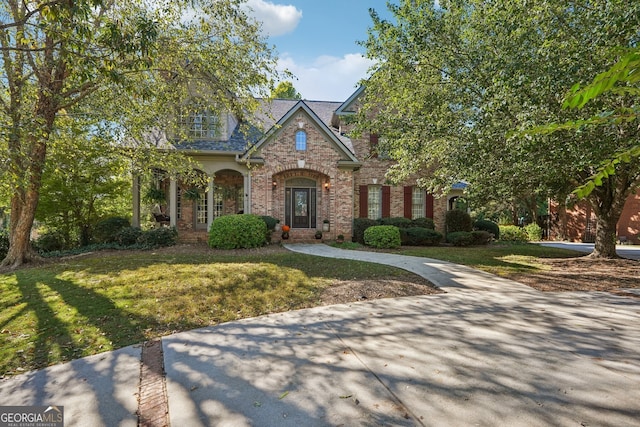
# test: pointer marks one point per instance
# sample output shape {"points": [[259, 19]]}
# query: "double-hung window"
{"points": [[301, 141], [417, 203], [374, 202], [199, 124]]}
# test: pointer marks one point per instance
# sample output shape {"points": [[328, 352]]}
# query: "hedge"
{"points": [[419, 236], [238, 231], [382, 236]]}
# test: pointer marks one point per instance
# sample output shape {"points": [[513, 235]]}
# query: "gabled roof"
{"points": [[236, 143], [269, 114], [320, 112], [347, 107]]}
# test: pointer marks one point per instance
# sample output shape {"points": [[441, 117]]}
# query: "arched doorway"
{"points": [[228, 193], [301, 201]]}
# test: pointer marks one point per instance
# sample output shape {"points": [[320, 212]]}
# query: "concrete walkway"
{"points": [[625, 251], [489, 352]]}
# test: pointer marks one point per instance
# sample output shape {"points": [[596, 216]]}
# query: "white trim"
{"points": [[173, 202], [210, 205]]}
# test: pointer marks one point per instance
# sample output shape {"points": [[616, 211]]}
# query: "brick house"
{"points": [[579, 224], [301, 168]]}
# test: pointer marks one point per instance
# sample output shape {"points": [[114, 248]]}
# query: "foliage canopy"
{"points": [[124, 68], [455, 77]]}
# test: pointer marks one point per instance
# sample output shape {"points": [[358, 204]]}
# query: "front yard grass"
{"points": [[98, 302], [78, 306]]}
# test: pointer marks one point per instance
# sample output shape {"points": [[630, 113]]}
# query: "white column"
{"points": [[247, 193], [210, 206], [173, 202], [135, 190]]}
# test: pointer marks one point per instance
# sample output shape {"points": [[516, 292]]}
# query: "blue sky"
{"points": [[316, 41]]}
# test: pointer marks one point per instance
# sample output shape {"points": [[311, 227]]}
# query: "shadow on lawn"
{"points": [[72, 321], [52, 301]]}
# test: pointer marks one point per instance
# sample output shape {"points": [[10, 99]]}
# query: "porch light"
{"points": [[326, 185], [275, 184]]}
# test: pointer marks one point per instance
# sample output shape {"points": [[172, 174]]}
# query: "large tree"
{"points": [[285, 90], [139, 61], [456, 76], [78, 191]]}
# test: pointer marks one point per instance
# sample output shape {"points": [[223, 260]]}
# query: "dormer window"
{"points": [[301, 141], [199, 124]]}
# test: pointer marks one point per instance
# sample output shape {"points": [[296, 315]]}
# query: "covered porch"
{"points": [[189, 207]]}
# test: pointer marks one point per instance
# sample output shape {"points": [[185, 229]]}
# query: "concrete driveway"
{"points": [[625, 251], [486, 353]]}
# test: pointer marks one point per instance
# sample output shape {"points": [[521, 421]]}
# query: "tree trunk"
{"points": [[607, 202], [23, 211], [605, 244], [24, 200]]}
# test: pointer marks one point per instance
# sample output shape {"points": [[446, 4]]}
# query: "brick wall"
{"points": [[629, 224], [282, 162], [373, 172], [576, 221]]}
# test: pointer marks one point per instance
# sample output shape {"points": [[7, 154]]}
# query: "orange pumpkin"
{"points": [[286, 228]]}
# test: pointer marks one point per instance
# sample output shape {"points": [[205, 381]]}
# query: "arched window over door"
{"points": [[301, 203]]}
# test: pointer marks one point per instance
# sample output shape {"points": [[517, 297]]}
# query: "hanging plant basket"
{"points": [[155, 195], [191, 194]]}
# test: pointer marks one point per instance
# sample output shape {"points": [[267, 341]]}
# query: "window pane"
{"points": [[201, 213], [301, 140], [179, 203], [218, 205], [199, 125], [417, 203], [300, 208], [374, 202]]}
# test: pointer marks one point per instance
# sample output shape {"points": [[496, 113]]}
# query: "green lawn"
{"points": [[80, 306], [75, 307], [501, 259]]}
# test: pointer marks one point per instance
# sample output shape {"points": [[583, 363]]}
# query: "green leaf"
{"points": [[283, 395]]}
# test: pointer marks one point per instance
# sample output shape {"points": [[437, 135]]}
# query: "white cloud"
{"points": [[277, 19], [329, 78]]}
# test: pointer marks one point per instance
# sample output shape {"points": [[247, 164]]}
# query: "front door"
{"points": [[200, 211], [301, 207]]}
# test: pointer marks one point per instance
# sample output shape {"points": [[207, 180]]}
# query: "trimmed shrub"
{"points": [[4, 242], [398, 221], [49, 242], [512, 233], [238, 231], [423, 223], [359, 227], [382, 236], [270, 222], [534, 232], [128, 236], [106, 230], [457, 220], [481, 237], [460, 238], [157, 237], [486, 225], [419, 236], [271, 226]]}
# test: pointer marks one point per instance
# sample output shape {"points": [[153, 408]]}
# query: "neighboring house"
{"points": [[301, 169], [579, 224]]}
